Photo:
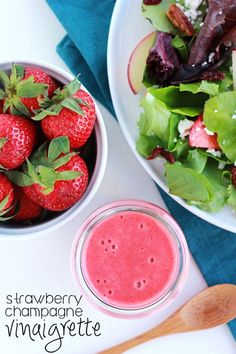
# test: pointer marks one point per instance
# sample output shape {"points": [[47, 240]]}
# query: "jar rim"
{"points": [[175, 233]]}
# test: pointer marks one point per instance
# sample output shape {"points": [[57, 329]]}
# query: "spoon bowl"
{"points": [[212, 307]]}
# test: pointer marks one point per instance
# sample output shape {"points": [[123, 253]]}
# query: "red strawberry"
{"points": [[26, 209], [65, 193], [199, 136], [24, 88], [56, 178], [6, 193], [73, 115], [17, 140]]}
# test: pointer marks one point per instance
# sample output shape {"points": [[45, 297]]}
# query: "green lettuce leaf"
{"points": [[180, 102], [227, 83], [145, 144], [188, 184], [210, 88], [196, 160], [232, 196], [220, 195], [179, 44], [157, 15], [155, 119], [173, 130], [181, 149], [219, 113], [157, 126]]}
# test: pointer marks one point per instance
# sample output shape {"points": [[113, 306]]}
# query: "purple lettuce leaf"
{"points": [[217, 28], [162, 61]]}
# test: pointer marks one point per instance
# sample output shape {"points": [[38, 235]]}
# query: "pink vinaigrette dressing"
{"points": [[129, 259]]}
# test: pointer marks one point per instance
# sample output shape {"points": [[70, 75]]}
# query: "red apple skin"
{"points": [[137, 62]]}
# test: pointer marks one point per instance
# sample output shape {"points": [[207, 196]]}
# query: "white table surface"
{"points": [[41, 265]]}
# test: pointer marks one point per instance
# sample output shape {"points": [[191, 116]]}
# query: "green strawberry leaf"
{"points": [[4, 202], [2, 169], [20, 107], [72, 87], [14, 111], [41, 115], [47, 190], [31, 170], [19, 178], [58, 146], [2, 94], [14, 75], [67, 175], [28, 88], [6, 106], [81, 101], [47, 176], [41, 153], [71, 104], [5, 218], [61, 98], [4, 79], [3, 142], [62, 160], [19, 71], [5, 212], [50, 111]]}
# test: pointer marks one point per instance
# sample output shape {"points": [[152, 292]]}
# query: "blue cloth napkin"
{"points": [[84, 51]]}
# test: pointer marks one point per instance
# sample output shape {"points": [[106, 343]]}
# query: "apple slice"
{"points": [[137, 62]]}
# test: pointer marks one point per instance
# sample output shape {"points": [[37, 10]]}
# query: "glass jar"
{"points": [[129, 258]]}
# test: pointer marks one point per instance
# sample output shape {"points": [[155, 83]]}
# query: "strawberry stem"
{"points": [[62, 98]]}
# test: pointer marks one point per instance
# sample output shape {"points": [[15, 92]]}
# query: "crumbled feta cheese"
{"points": [[234, 163], [190, 9], [234, 116], [214, 152], [208, 132], [193, 3], [184, 127], [198, 129], [211, 56], [216, 110], [221, 165]]}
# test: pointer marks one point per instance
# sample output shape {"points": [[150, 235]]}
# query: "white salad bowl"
{"points": [[100, 146], [128, 28]]}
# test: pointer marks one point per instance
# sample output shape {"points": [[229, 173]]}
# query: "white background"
{"points": [[38, 265]]}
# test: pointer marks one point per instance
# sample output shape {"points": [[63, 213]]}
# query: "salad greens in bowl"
{"points": [[187, 66]]}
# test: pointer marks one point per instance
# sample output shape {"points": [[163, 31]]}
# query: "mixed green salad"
{"points": [[189, 107]]}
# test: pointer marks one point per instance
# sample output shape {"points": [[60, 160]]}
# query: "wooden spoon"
{"points": [[213, 306]]}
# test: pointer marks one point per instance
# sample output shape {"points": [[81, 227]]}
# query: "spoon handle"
{"points": [[173, 324]]}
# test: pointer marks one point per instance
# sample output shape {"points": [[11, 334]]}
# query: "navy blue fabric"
{"points": [[84, 51]]}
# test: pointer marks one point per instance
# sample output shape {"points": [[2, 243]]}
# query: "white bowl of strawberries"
{"points": [[53, 147]]}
